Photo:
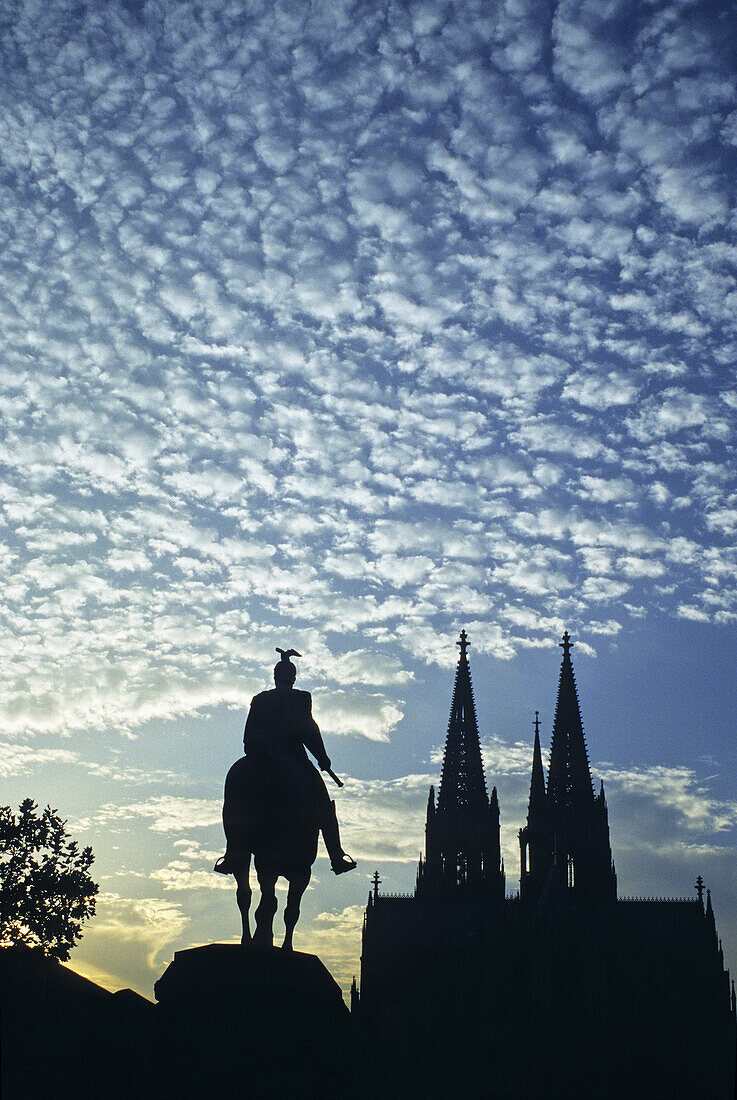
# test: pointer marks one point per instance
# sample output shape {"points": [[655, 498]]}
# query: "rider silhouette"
{"points": [[279, 728]]}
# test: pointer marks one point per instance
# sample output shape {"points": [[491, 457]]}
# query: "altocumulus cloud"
{"points": [[303, 309]]}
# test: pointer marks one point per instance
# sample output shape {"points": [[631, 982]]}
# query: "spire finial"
{"points": [[566, 643], [700, 890], [537, 723], [464, 644], [376, 882]]}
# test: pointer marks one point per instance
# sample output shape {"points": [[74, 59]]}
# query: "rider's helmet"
{"points": [[284, 671]]}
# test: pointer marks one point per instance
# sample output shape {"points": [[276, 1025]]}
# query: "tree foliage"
{"points": [[46, 891]]}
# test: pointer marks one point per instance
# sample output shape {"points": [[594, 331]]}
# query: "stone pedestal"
{"points": [[245, 1021]]}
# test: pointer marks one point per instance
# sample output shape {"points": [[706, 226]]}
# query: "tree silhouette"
{"points": [[46, 891]]}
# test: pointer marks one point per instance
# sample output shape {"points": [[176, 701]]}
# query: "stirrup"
{"points": [[223, 866], [343, 864]]}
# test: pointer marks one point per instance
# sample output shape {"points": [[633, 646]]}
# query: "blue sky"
{"points": [[342, 326]]}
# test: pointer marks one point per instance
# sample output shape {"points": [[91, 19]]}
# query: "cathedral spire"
{"points": [[569, 777], [462, 784], [537, 780], [462, 829]]}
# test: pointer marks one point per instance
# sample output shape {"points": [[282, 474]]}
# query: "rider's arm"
{"points": [[312, 738]]}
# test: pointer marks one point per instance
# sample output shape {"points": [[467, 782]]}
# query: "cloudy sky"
{"points": [[343, 325]]}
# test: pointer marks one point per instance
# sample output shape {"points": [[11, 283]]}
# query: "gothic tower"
{"points": [[462, 850], [565, 843]]}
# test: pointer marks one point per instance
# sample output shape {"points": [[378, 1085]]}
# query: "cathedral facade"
{"points": [[562, 990]]}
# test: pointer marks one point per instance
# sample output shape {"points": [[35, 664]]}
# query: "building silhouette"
{"points": [[563, 990], [560, 992]]}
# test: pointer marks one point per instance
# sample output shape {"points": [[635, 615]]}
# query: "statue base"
{"points": [[252, 1021]]}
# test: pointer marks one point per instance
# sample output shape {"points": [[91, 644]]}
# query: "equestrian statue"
{"points": [[276, 805]]}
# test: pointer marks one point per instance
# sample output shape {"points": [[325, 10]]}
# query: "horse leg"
{"points": [[264, 934], [242, 874], [297, 887]]}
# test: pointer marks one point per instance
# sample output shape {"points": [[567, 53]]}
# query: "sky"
{"points": [[342, 326]]}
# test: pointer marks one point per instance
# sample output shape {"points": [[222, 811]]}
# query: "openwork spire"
{"points": [[462, 784], [537, 803], [462, 851], [569, 777]]}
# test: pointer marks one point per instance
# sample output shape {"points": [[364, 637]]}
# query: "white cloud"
{"points": [[601, 391], [19, 759], [178, 875], [167, 813], [126, 942], [676, 789]]}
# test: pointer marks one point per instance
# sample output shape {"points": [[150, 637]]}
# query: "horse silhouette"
{"points": [[268, 815]]}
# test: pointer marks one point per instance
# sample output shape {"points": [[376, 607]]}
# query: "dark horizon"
{"points": [[345, 327]]}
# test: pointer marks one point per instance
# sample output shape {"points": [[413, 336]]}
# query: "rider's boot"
{"points": [[339, 861], [224, 865]]}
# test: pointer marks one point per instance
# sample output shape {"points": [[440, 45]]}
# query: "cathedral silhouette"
{"points": [[563, 990]]}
